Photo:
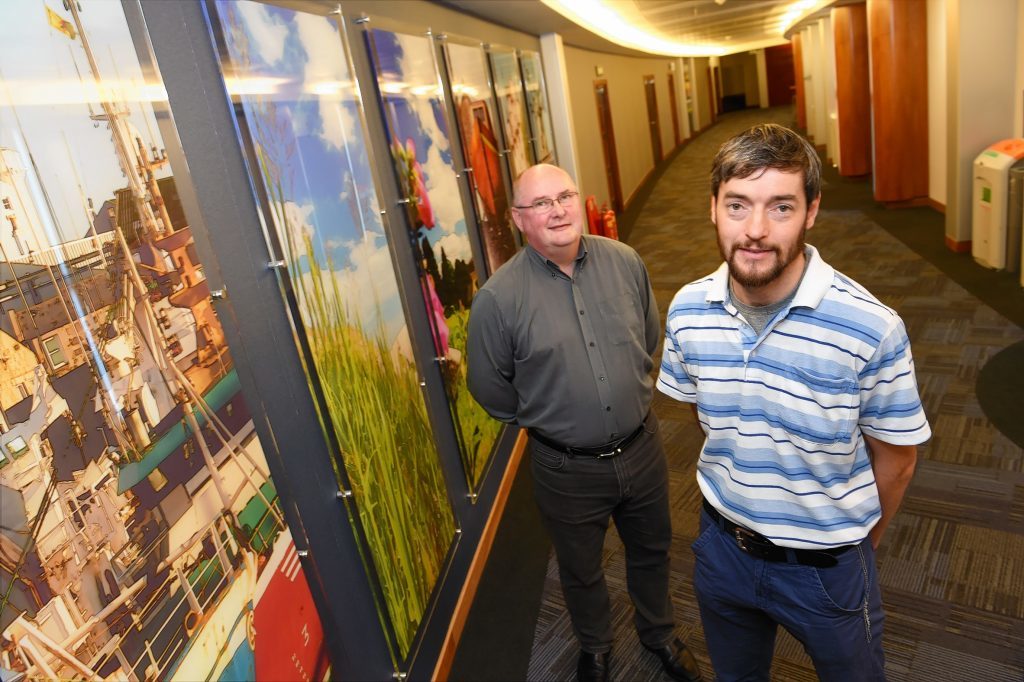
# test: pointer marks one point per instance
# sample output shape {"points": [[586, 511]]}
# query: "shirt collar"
{"points": [[543, 260], [812, 288]]}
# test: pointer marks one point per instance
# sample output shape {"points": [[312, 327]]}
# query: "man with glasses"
{"points": [[560, 343]]}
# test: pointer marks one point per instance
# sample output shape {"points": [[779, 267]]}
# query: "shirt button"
{"points": [[614, 435], [591, 344], [581, 312], [607, 408], [602, 378]]}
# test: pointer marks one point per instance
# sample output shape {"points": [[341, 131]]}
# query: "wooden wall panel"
{"points": [[853, 93], [798, 74], [899, 98], [780, 74]]}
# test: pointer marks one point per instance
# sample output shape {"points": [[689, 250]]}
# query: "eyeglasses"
{"points": [[564, 200]]}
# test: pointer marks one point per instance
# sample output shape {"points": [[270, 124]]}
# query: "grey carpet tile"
{"points": [[952, 562]]}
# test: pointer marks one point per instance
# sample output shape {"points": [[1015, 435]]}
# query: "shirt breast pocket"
{"points": [[828, 414], [620, 316]]}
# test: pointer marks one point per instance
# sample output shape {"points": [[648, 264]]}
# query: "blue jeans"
{"points": [[836, 612], [577, 496]]}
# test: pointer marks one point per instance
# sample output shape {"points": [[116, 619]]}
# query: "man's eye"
{"points": [[784, 208], [734, 207]]}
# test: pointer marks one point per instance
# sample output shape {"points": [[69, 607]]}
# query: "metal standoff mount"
{"points": [[218, 294], [344, 494], [276, 264]]}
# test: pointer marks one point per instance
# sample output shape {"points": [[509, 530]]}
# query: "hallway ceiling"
{"points": [[642, 27]]}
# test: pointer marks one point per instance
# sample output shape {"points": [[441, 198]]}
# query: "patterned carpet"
{"points": [[952, 561]]}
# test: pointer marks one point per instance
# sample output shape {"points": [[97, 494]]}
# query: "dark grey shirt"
{"points": [[568, 357]]}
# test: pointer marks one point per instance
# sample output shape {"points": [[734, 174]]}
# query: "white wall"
{"points": [[762, 78], [831, 100], [1018, 107], [937, 77], [982, 47]]}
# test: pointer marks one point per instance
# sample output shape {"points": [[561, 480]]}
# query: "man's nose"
{"points": [[557, 209], [758, 226]]}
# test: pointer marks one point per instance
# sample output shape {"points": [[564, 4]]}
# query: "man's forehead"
{"points": [[544, 182], [764, 177]]}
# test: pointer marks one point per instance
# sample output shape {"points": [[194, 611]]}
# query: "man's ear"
{"points": [[515, 218], [812, 211], [714, 200]]}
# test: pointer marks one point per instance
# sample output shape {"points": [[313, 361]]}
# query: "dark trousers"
{"points": [[835, 612], [577, 497]]}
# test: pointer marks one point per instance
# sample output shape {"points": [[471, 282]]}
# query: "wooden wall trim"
{"points": [[798, 75], [853, 93], [476, 568], [899, 97]]}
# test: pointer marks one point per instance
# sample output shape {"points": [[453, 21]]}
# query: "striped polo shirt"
{"points": [[785, 411]]}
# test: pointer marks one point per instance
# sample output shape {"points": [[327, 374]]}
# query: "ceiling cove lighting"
{"points": [[606, 20]]}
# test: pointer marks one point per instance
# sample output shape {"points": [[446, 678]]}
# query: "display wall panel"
{"points": [[310, 161], [414, 114], [508, 89], [143, 536], [477, 119], [541, 136]]}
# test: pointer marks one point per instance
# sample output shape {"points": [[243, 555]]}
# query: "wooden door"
{"points": [[778, 62], [611, 158], [652, 118], [674, 106], [712, 99]]}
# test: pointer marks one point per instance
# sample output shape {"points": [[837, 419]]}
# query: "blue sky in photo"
{"points": [[294, 65], [405, 62]]}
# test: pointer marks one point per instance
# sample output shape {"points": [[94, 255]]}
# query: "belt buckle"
{"points": [[610, 453], [742, 534]]}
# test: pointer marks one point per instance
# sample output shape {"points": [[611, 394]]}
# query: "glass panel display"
{"points": [[537, 105], [475, 114], [508, 87], [142, 536], [414, 112], [302, 125]]}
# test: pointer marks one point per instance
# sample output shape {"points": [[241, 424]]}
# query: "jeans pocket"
{"points": [[843, 587], [547, 458], [707, 531]]}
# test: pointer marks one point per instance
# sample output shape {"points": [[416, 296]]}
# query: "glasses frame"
{"points": [[547, 205]]}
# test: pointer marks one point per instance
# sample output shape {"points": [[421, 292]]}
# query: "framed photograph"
{"points": [[301, 120], [541, 135], [138, 509], [508, 89], [414, 114], [476, 118]]}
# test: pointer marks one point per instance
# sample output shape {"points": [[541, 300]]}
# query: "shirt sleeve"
{"points": [[652, 323], [491, 364], [673, 378], [891, 409]]}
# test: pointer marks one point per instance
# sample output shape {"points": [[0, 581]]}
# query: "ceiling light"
{"points": [[601, 17]]}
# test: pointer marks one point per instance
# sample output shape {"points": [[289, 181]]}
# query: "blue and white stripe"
{"points": [[785, 411]]}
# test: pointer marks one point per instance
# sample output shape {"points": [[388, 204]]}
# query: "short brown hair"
{"points": [[765, 146]]}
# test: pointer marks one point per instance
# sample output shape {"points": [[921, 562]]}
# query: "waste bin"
{"points": [[1015, 221], [990, 234]]}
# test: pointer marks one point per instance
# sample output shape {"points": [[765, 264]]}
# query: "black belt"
{"points": [[599, 451], [761, 547]]}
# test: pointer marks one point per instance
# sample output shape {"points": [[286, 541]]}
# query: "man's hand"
{"points": [[894, 467]]}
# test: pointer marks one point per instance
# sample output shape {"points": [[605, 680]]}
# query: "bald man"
{"points": [[560, 343]]}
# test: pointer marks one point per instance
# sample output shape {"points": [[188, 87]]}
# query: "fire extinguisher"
{"points": [[594, 225], [611, 227]]}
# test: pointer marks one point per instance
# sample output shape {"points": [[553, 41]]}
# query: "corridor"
{"points": [[951, 563]]}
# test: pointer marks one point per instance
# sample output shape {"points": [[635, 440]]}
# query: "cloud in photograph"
{"points": [[267, 33]]}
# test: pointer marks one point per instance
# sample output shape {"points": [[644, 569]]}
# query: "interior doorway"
{"points": [[674, 107], [652, 118], [611, 159]]}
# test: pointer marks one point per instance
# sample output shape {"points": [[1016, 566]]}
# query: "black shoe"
{"points": [[678, 662], [593, 667]]}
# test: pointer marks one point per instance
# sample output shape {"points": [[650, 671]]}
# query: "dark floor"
{"points": [[952, 562]]}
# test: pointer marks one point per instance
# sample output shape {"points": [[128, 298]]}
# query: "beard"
{"points": [[760, 274]]}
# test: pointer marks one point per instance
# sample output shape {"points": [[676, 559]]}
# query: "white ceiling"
{"points": [[709, 26]]}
